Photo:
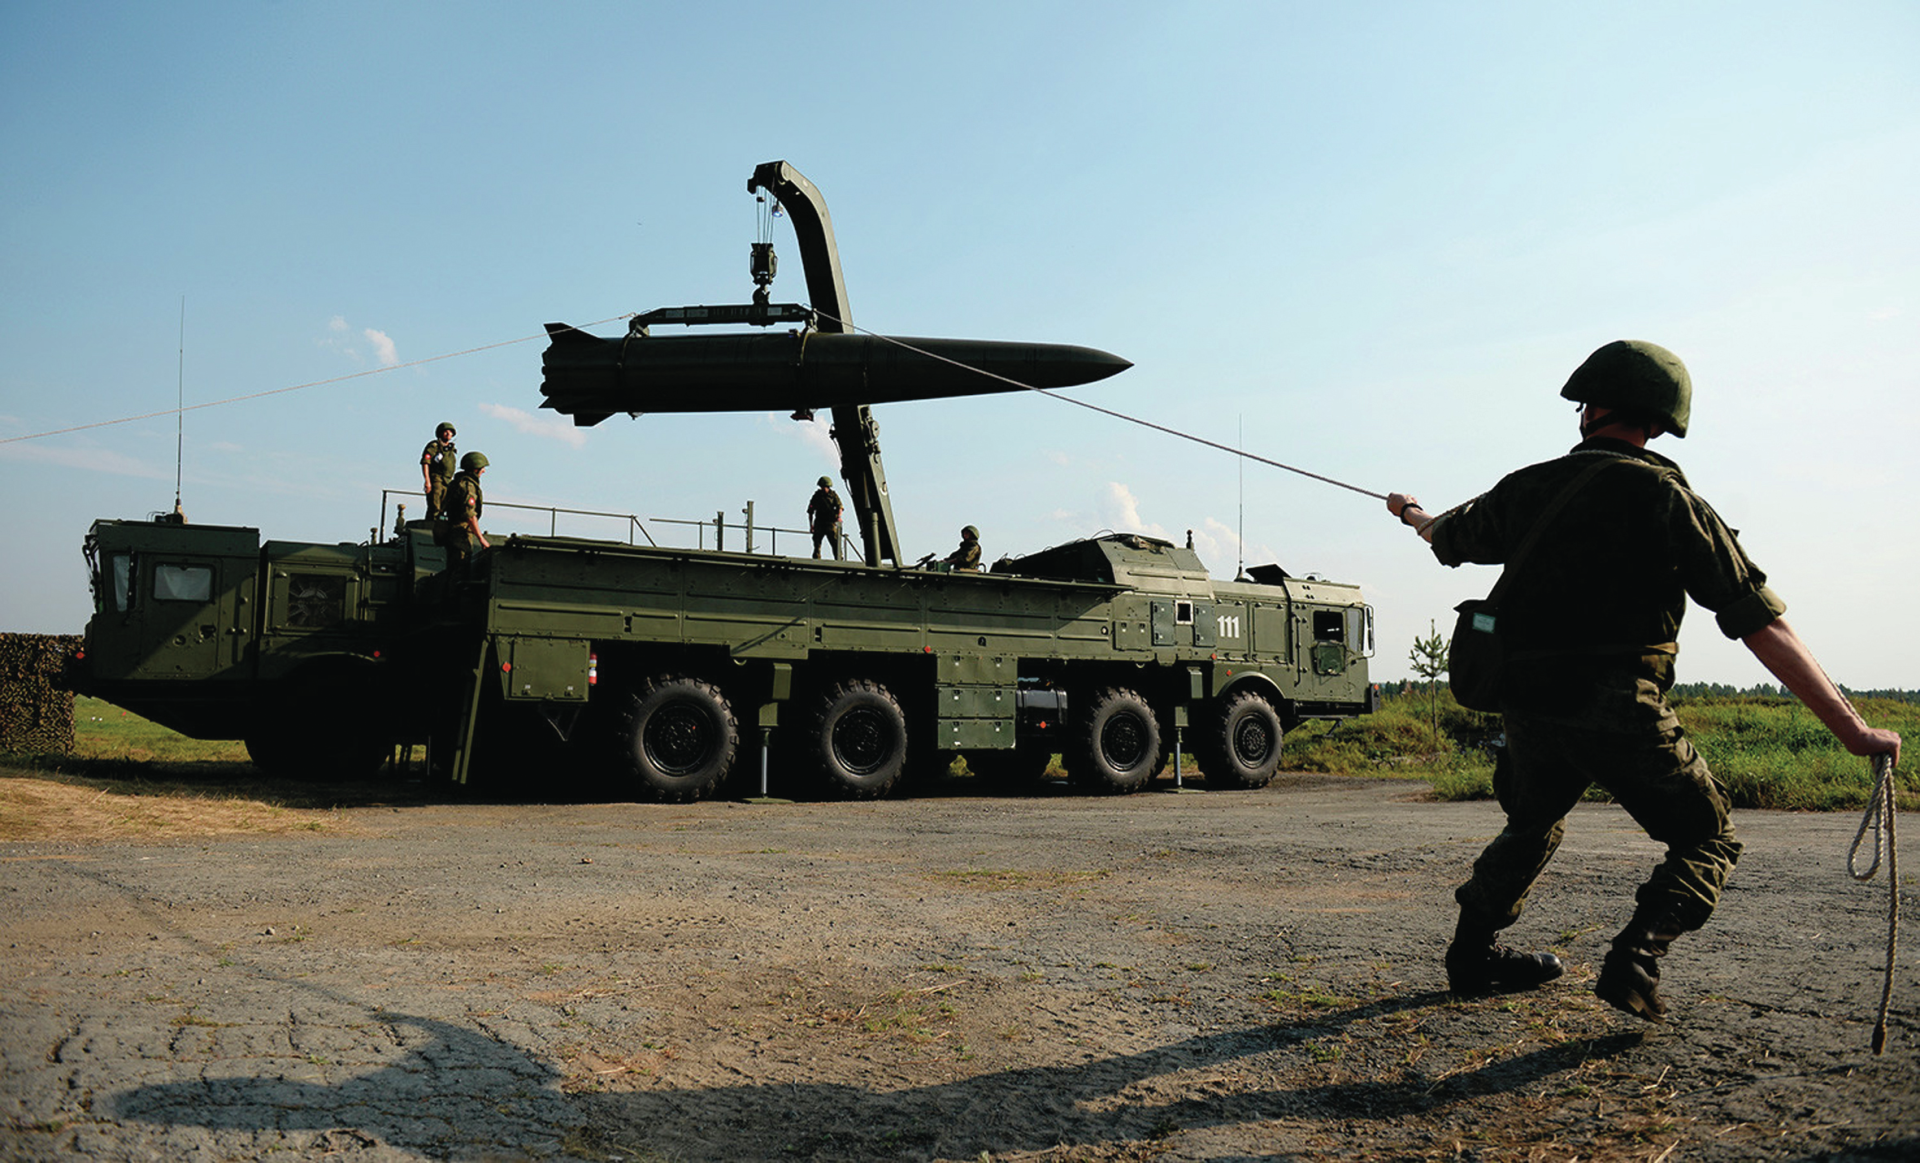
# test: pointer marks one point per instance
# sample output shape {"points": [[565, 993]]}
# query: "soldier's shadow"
{"points": [[447, 1088], [453, 1089], [1084, 1105]]}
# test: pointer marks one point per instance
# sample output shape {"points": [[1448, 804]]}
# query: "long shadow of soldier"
{"points": [[448, 1087], [1088, 1104]]}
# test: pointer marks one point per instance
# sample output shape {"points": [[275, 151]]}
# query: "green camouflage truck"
{"points": [[667, 670]]}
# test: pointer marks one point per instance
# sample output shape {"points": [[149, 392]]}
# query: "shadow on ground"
{"points": [[1107, 1100]]}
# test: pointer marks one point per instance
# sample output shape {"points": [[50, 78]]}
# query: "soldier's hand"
{"points": [[1398, 503], [1871, 741]]}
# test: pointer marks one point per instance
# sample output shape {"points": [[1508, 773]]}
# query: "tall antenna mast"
{"points": [[1240, 570], [180, 413]]}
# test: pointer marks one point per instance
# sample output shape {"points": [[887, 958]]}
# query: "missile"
{"points": [[589, 377]]}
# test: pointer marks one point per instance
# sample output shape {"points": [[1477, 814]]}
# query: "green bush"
{"points": [[1768, 752]]}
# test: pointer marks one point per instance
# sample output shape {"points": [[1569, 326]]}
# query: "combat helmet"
{"points": [[826, 482], [445, 426], [969, 533], [1639, 376], [473, 461]]}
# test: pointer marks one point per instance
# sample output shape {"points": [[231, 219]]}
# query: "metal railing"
{"points": [[553, 513], [718, 524]]}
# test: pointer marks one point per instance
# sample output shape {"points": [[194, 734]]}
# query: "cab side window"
{"points": [[120, 582], [183, 583]]}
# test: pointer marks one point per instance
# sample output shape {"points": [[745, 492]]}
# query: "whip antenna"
{"points": [[180, 414]]}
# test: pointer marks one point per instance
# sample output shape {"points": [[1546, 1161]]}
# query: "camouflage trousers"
{"points": [[1657, 776], [436, 500]]}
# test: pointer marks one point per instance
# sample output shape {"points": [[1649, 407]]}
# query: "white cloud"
{"points": [[550, 427], [93, 460], [382, 347], [340, 338], [1120, 511], [815, 434]]}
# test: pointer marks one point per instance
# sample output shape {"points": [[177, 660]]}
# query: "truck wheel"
{"points": [[858, 745], [1115, 746], [1015, 770], [678, 739], [322, 728], [1242, 749]]}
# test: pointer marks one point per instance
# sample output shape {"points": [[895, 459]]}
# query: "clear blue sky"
{"points": [[1377, 237]]}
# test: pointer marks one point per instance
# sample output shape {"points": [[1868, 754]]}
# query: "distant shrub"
{"points": [[1769, 752]]}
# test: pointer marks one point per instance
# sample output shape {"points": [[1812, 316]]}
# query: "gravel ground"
{"points": [[1224, 976]]}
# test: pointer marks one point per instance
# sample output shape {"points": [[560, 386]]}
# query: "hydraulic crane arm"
{"points": [[855, 432]]}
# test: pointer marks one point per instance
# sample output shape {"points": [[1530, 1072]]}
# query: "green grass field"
{"points": [[1770, 753]]}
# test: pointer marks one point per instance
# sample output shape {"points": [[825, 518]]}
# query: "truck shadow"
{"points": [[448, 1088], [1104, 1101]]}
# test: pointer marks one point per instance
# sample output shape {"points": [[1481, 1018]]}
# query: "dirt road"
{"points": [[1216, 977]]}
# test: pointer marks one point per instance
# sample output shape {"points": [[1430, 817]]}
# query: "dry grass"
{"points": [[42, 805]]}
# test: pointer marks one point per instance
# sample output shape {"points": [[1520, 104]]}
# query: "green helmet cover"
{"points": [[1632, 373], [445, 426], [826, 482], [473, 460], [969, 533]]}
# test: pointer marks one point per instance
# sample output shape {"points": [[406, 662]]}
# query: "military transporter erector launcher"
{"points": [[663, 670]]}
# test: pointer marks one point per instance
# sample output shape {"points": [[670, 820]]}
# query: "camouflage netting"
{"points": [[36, 708]]}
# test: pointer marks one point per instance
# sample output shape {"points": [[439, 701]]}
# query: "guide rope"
{"points": [[1879, 821], [296, 387], [1227, 448]]}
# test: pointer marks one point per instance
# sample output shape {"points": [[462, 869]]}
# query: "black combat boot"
{"points": [[1478, 964], [1630, 972]]}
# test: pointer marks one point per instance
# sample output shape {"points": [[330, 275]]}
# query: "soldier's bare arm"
{"points": [[1786, 655], [1408, 510]]}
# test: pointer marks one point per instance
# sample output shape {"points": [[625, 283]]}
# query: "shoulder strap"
{"points": [[1552, 510]]}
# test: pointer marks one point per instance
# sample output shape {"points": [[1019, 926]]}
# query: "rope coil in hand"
{"points": [[1879, 821]]}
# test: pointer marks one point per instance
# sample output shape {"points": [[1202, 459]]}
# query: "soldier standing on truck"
{"points": [[968, 555], [823, 517], [1589, 626], [436, 469], [464, 503]]}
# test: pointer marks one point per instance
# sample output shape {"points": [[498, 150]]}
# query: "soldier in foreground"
{"points": [[823, 517], [968, 555], [464, 504], [1590, 627], [436, 468]]}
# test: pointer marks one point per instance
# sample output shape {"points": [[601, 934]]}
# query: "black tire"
{"points": [[1114, 747], [322, 727], [1241, 749], [677, 740], [1013, 771], [857, 740]]}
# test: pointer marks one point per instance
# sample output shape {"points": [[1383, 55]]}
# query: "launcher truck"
{"points": [[669, 671]]}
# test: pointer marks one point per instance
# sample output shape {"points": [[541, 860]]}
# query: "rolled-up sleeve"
{"points": [[1717, 573]]}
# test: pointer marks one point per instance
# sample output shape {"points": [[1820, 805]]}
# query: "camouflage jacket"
{"points": [[965, 557], [1597, 604], [823, 510], [463, 499], [440, 460]]}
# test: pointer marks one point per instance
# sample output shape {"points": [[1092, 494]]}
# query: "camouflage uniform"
{"points": [[1591, 624], [439, 459], [463, 500], [967, 556], [823, 519]]}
